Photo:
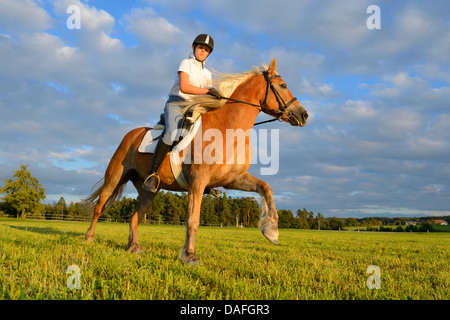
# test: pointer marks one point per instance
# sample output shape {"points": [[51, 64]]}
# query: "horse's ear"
{"points": [[273, 67]]}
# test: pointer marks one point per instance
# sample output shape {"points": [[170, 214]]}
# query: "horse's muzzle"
{"points": [[296, 115]]}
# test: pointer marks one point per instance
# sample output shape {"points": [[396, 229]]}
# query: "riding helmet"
{"points": [[204, 39]]}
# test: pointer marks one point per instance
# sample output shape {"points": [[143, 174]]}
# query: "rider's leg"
{"points": [[152, 182], [172, 115]]}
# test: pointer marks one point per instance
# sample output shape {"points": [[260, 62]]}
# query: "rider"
{"points": [[192, 79]]}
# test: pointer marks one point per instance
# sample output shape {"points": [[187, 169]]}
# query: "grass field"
{"points": [[236, 263]]}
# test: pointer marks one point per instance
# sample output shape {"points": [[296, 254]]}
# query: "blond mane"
{"points": [[226, 84]]}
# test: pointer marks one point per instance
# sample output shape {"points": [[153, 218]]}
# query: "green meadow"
{"points": [[51, 260]]}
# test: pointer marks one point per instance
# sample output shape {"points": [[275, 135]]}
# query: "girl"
{"points": [[192, 79]]}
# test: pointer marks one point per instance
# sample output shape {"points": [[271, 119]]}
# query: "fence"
{"points": [[61, 217]]}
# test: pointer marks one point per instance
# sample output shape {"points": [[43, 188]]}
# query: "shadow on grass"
{"points": [[47, 230], [66, 236]]}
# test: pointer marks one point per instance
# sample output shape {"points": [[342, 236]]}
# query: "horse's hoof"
{"points": [[135, 248], [271, 234], [89, 238], [191, 260]]}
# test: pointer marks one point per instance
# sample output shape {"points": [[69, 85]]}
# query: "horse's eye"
{"points": [[283, 85]]}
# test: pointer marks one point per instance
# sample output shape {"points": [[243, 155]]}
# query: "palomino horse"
{"points": [[249, 93]]}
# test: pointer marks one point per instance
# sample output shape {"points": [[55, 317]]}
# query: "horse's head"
{"points": [[279, 101]]}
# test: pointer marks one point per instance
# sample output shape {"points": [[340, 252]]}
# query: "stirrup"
{"points": [[157, 185]]}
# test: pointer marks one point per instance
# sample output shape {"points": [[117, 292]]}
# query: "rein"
{"points": [[256, 106], [283, 106]]}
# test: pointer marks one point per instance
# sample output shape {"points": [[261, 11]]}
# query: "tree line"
{"points": [[306, 220], [23, 195], [167, 207]]}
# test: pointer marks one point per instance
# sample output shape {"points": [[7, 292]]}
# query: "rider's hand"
{"points": [[213, 92]]}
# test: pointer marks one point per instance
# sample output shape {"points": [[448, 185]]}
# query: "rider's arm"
{"points": [[187, 88]]}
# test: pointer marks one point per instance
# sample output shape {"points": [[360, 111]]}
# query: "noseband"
{"points": [[281, 104]]}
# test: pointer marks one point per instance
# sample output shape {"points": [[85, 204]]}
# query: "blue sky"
{"points": [[377, 141]]}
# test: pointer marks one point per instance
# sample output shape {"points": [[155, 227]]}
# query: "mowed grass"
{"points": [[235, 263]]}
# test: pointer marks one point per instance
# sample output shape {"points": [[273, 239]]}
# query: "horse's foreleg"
{"points": [[268, 223], [195, 196]]}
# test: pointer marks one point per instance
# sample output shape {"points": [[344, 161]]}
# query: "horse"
{"points": [[249, 93]]}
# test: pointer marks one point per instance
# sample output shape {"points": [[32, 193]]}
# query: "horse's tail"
{"points": [[113, 184], [91, 200]]}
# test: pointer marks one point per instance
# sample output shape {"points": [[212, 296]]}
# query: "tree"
{"points": [[121, 210], [320, 221], [285, 218], [207, 211], [173, 211], [234, 210], [336, 223], [24, 194], [61, 208], [248, 211], [74, 211], [223, 210], [302, 216], [155, 212], [311, 220], [352, 222]]}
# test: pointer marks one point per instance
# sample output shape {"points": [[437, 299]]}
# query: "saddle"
{"points": [[150, 139], [185, 125], [152, 136]]}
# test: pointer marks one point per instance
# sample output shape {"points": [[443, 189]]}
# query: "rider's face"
{"points": [[201, 52]]}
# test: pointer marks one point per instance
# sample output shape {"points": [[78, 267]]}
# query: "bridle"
{"points": [[283, 106], [277, 113]]}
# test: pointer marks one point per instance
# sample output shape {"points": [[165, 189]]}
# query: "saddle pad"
{"points": [[151, 138], [148, 143]]}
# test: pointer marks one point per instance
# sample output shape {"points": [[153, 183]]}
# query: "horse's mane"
{"points": [[226, 84]]}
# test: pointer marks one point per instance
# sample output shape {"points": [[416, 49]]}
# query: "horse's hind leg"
{"points": [[119, 171], [145, 201], [107, 191], [111, 188], [268, 223]]}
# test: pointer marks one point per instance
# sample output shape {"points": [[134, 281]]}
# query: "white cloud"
{"points": [[96, 27], [358, 109], [91, 18], [18, 16], [151, 29]]}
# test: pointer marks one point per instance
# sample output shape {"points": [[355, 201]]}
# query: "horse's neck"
{"points": [[234, 115]]}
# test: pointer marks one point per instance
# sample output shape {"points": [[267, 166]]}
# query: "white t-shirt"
{"points": [[198, 76]]}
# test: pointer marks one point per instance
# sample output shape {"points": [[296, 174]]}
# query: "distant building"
{"points": [[440, 222], [410, 223]]}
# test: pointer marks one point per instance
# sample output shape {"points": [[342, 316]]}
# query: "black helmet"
{"points": [[204, 39]]}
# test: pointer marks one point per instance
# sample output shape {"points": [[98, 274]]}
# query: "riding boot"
{"points": [[152, 182]]}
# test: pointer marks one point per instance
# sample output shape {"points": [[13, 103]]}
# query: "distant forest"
{"points": [[169, 207]]}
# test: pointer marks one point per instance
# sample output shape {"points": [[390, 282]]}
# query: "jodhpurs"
{"points": [[173, 117]]}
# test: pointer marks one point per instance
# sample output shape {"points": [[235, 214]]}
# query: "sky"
{"points": [[377, 141]]}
